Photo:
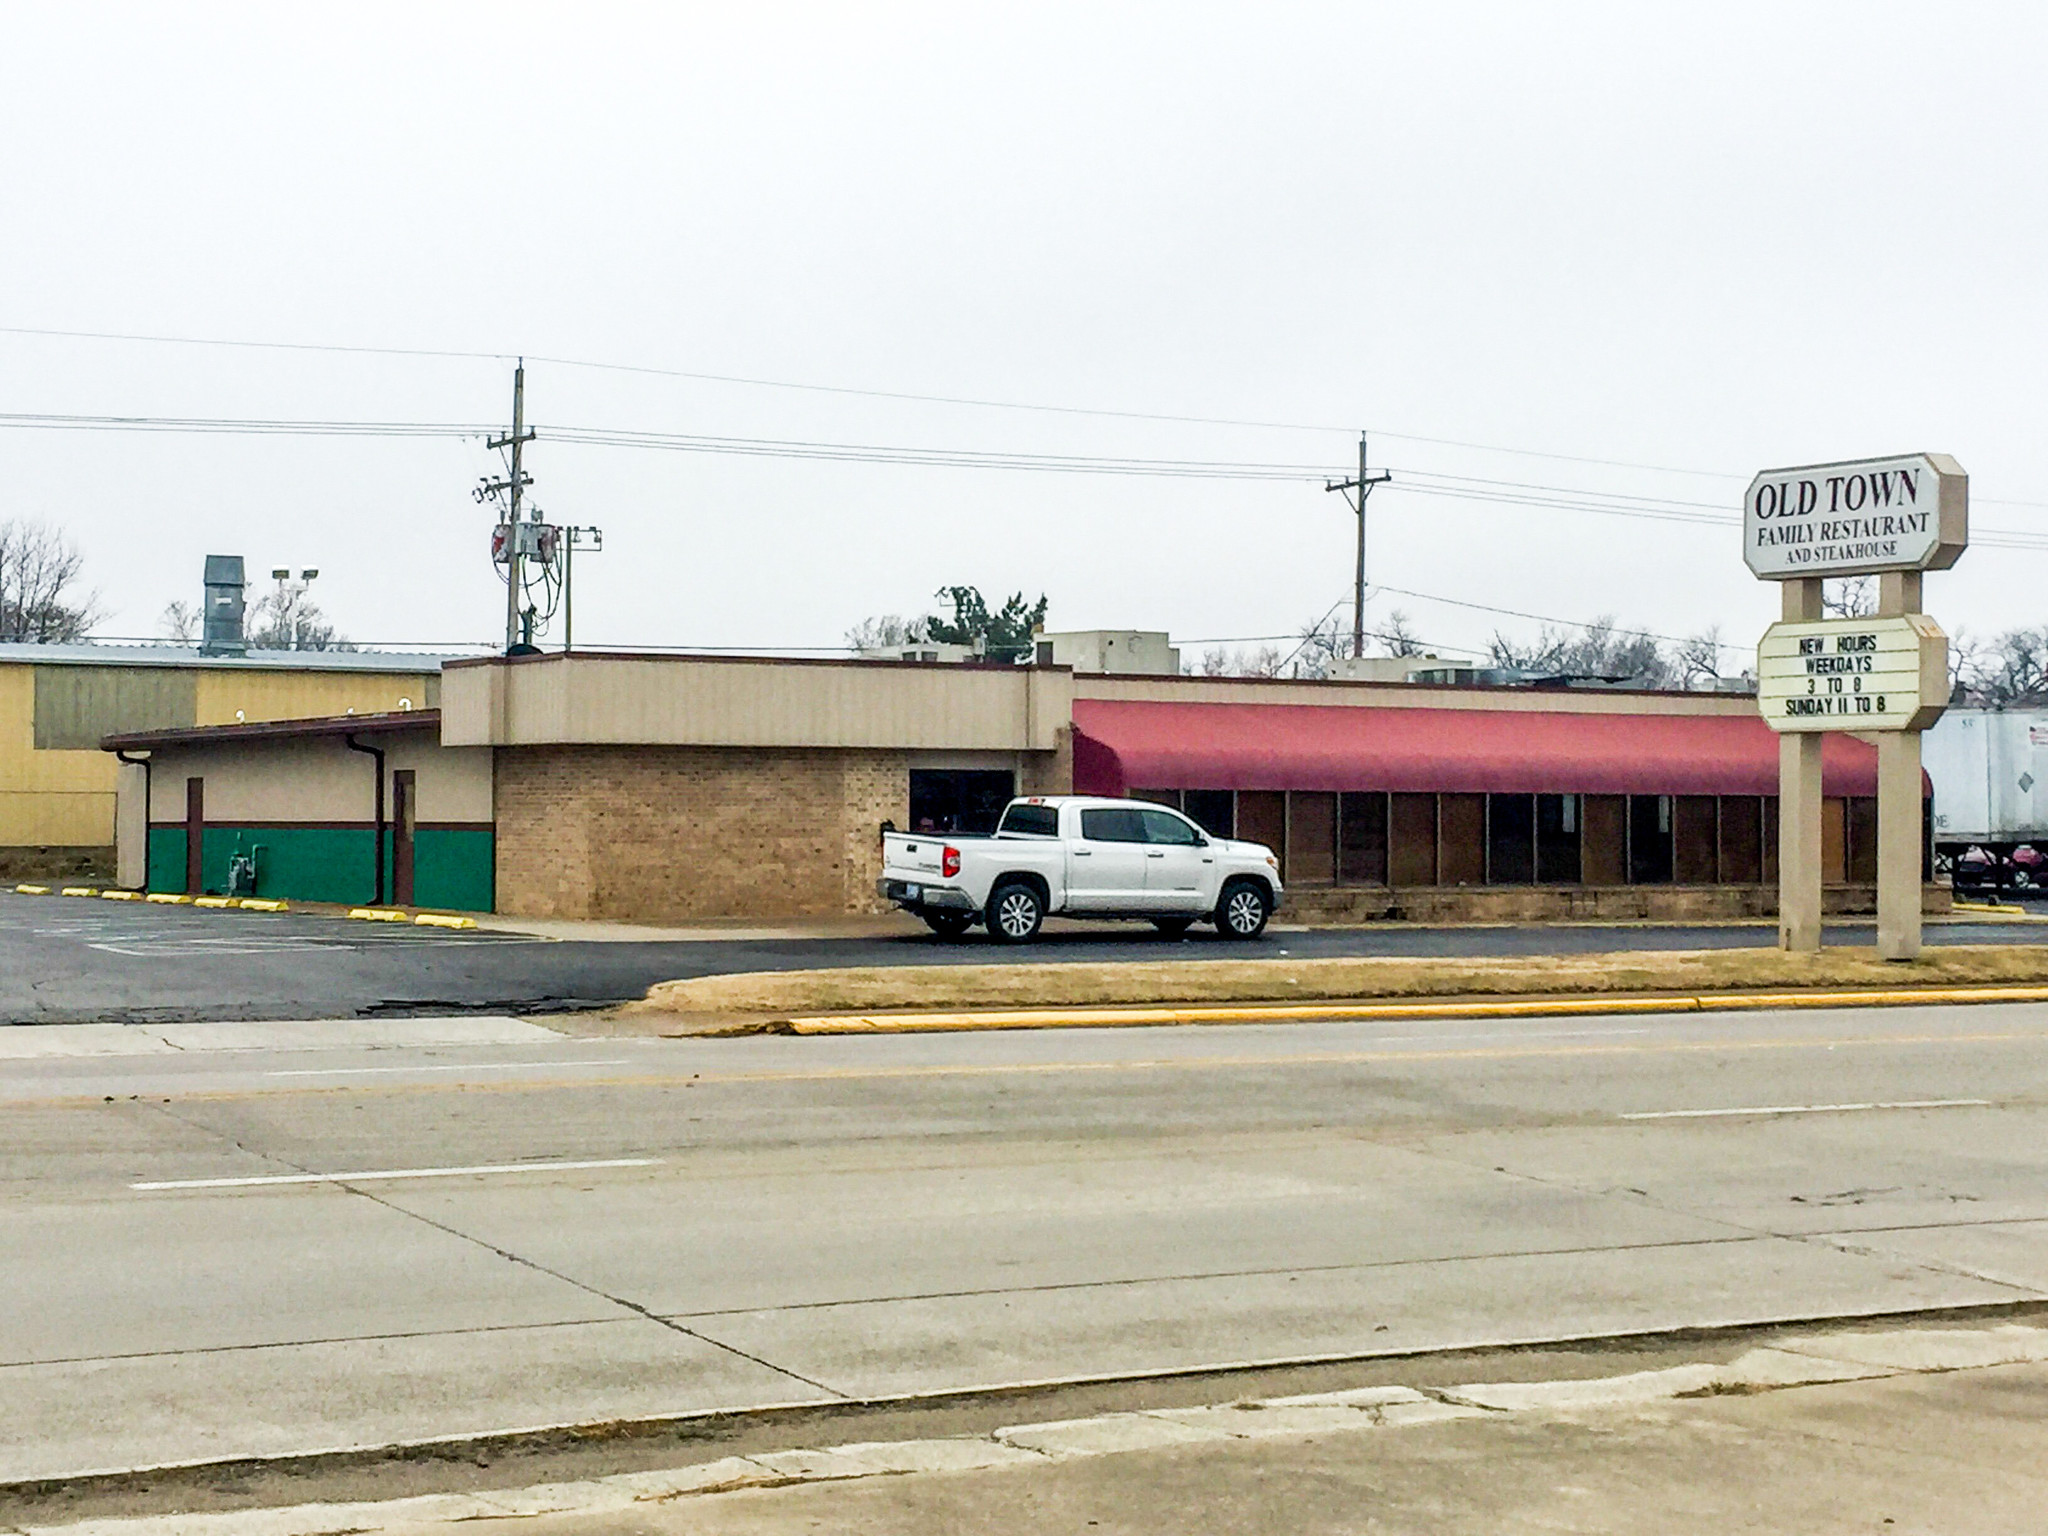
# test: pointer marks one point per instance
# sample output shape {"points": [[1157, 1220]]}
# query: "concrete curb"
{"points": [[161, 898], [1306, 1013], [1800, 1361]]}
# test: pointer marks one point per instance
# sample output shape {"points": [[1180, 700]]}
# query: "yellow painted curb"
{"points": [[214, 901], [120, 895], [32, 890], [80, 890], [169, 898], [264, 904], [1308, 1013], [377, 914], [440, 920]]}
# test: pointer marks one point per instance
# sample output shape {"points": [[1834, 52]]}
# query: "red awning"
{"points": [[1121, 746]]}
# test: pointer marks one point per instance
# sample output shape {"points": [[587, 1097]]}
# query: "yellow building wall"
{"points": [[48, 799], [65, 799], [309, 695]]}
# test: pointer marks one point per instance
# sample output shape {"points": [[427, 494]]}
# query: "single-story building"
{"points": [[664, 788], [57, 702]]}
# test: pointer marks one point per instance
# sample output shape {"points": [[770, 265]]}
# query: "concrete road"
{"points": [[342, 1240], [69, 960]]}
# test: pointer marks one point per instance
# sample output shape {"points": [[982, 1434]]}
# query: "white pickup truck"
{"points": [[1081, 857]]}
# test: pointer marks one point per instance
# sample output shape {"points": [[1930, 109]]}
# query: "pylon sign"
{"points": [[1910, 513]]}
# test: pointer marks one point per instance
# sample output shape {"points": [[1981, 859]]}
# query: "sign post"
{"points": [[1885, 675]]}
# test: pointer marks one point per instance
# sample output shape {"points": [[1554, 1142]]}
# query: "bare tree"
{"points": [[1322, 645], [39, 570], [290, 621], [1597, 650], [1266, 661], [1696, 660], [885, 632], [1852, 597], [180, 620], [1398, 637], [1995, 674]]}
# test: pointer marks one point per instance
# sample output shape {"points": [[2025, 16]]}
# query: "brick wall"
{"points": [[667, 834]]}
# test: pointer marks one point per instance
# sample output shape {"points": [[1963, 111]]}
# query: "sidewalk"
{"points": [[1955, 1453], [1903, 1430]]}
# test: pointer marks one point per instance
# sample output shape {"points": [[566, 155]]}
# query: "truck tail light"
{"points": [[949, 863]]}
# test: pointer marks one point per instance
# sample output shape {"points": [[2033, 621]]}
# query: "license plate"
{"points": [[912, 892]]}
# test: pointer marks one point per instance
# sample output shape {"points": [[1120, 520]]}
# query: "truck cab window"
{"points": [[1032, 820], [1165, 827], [1113, 825]]}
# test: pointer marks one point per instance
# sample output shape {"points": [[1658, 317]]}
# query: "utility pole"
{"points": [[516, 483], [1363, 486]]}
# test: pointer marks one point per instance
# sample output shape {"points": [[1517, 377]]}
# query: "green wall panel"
{"points": [[166, 859], [452, 869]]}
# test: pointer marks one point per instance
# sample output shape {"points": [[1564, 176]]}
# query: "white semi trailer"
{"points": [[1989, 768]]}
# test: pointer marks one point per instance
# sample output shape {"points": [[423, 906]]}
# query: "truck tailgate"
{"points": [[912, 857]]}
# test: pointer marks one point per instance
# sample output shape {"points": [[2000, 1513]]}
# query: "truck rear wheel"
{"points": [[1242, 910], [947, 925], [1015, 913]]}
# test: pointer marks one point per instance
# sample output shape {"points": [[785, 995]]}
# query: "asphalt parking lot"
{"points": [[74, 960]]}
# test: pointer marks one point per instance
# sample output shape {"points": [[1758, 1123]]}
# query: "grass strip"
{"points": [[869, 989]]}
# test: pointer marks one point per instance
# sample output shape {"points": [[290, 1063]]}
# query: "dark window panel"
{"points": [[1214, 810], [1510, 839], [1649, 839], [1362, 839], [1560, 823]]}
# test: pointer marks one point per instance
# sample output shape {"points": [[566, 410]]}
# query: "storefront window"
{"points": [[1649, 839], [1213, 810], [1558, 820], [959, 799], [1510, 839]]}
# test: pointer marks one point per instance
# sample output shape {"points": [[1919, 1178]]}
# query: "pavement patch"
{"points": [[1600, 1392]]}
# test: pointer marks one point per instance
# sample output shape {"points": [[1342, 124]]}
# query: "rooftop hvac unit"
{"points": [[222, 634]]}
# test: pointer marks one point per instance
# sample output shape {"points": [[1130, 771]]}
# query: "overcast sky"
{"points": [[1512, 241]]}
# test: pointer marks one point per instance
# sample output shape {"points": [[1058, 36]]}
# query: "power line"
{"points": [[1416, 482], [903, 395], [913, 397], [1517, 613]]}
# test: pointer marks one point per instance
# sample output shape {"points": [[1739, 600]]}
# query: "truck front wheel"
{"points": [[1015, 913], [1242, 911]]}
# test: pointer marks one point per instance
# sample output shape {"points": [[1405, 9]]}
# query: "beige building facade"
{"points": [[666, 789]]}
